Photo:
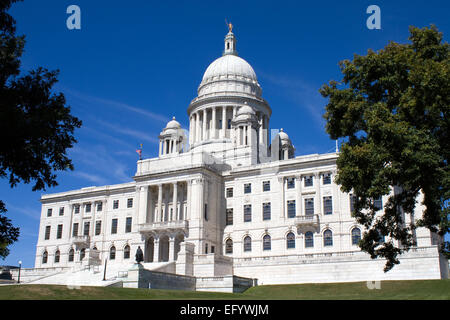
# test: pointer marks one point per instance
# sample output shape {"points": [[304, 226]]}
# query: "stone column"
{"points": [[189, 202], [198, 134], [156, 249], [149, 216], [172, 248], [159, 211], [214, 124], [143, 194], [224, 122], [174, 201], [282, 188], [299, 206], [160, 148], [205, 133], [260, 122], [317, 202], [249, 135], [190, 130]]}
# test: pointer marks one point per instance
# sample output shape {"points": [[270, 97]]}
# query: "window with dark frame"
{"points": [[267, 243], [61, 211], [229, 192], [44, 257], [290, 241], [309, 239], [57, 254], [327, 238], [116, 204], [247, 188], [128, 225], [59, 231], [47, 232], [327, 178], [114, 226], [71, 255], [247, 213], [229, 246], [130, 203], [356, 236], [126, 252], [98, 227], [308, 181], [77, 209], [247, 244], [309, 206], [291, 209], [229, 217], [75, 230], [290, 183], [87, 207], [266, 186], [49, 212], [87, 225], [112, 253], [378, 203], [327, 205], [266, 211], [99, 206]]}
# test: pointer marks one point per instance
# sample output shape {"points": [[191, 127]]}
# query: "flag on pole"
{"points": [[139, 151]]}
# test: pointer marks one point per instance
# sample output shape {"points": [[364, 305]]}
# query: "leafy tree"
{"points": [[392, 108], [36, 127]]}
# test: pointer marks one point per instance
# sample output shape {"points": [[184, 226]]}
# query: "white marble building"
{"points": [[227, 198]]}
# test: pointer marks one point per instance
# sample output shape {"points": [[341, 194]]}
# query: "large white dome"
{"points": [[229, 67], [229, 74]]}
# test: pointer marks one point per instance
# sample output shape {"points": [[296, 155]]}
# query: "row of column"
{"points": [[201, 129], [167, 146], [146, 204], [169, 253], [299, 204]]}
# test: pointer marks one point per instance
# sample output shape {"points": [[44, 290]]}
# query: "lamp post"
{"points": [[20, 267]]}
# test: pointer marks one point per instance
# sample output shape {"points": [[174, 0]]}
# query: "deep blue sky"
{"points": [[135, 64]]}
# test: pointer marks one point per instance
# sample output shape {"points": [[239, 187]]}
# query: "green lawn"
{"points": [[390, 290]]}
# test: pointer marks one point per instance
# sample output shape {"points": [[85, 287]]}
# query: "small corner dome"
{"points": [[245, 109], [173, 124], [284, 137]]}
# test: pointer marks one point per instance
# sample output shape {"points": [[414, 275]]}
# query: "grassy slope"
{"points": [[422, 289]]}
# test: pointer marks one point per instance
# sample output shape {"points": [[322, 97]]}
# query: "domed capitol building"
{"points": [[222, 208]]}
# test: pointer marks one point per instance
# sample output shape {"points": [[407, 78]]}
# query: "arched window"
{"points": [[126, 252], [327, 238], [112, 253], [309, 240], [71, 255], [247, 244], [44, 257], [290, 240], [356, 236], [57, 256], [267, 245], [82, 253], [229, 246]]}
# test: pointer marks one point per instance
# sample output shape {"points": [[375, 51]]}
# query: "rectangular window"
{"points": [[75, 230], [229, 192], [87, 207], [114, 226], [327, 205], [47, 232], [59, 231], [130, 203], [247, 213], [291, 183], [327, 178], [308, 181], [248, 188], [116, 204], [229, 217], [128, 225], [98, 227], [291, 209], [266, 211], [77, 208], [61, 211], [99, 206], [352, 202], [87, 225], [378, 204], [49, 212], [266, 185], [229, 124], [205, 213], [309, 206]]}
